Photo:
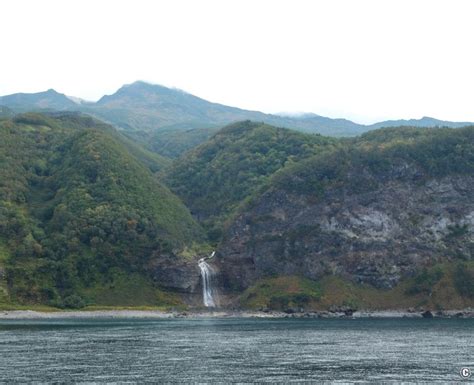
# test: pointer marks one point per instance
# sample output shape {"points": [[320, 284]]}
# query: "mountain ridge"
{"points": [[142, 106], [47, 100]]}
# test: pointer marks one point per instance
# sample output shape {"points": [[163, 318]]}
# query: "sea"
{"points": [[236, 350]]}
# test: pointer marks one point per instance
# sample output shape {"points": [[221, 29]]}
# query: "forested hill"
{"points": [[79, 207], [218, 176], [394, 204], [89, 217], [5, 112]]}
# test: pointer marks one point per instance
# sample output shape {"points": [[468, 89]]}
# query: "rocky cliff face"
{"points": [[376, 235], [176, 274], [182, 275]]}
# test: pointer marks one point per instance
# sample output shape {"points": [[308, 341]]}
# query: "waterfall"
{"points": [[206, 273]]}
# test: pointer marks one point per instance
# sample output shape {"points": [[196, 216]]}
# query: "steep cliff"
{"points": [[376, 211]]}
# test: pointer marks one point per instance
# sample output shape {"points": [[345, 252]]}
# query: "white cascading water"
{"points": [[206, 273]]}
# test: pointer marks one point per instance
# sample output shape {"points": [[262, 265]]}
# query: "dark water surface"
{"points": [[235, 350]]}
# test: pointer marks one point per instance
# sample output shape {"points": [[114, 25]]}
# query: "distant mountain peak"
{"points": [[141, 84], [149, 107], [49, 99], [141, 91], [425, 121], [147, 86], [297, 114]]}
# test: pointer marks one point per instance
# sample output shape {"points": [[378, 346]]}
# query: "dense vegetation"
{"points": [[464, 279], [397, 197], [172, 142], [84, 210], [440, 287], [282, 293], [80, 208], [242, 160], [150, 159], [368, 161], [215, 178], [5, 112]]}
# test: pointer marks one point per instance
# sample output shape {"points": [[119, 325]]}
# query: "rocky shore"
{"points": [[156, 314]]}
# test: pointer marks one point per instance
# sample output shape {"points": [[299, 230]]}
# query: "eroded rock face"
{"points": [[378, 236], [177, 274]]}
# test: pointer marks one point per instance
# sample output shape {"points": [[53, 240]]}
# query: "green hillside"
{"points": [[375, 210], [218, 176], [5, 112], [80, 208], [172, 142], [150, 159], [370, 160], [88, 217]]}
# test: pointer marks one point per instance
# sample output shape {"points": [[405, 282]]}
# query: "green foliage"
{"points": [[279, 301], [82, 215], [437, 151], [4, 252], [152, 160], [5, 112], [77, 202], [129, 290], [77, 121], [424, 281], [464, 280], [172, 142], [215, 178], [457, 231], [4, 257], [282, 292], [73, 302], [35, 119], [365, 163], [351, 303]]}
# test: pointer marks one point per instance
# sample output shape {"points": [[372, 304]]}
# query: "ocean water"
{"points": [[235, 350]]}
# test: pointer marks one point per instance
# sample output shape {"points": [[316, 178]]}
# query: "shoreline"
{"points": [[159, 314]]}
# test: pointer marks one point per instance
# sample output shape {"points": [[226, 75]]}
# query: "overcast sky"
{"points": [[363, 60]]}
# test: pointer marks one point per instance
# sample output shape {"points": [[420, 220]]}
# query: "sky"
{"points": [[362, 60]]}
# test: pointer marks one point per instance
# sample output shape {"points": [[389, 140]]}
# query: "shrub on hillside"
{"points": [[464, 280]]}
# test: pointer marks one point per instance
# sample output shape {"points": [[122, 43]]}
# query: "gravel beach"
{"points": [[108, 314]]}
